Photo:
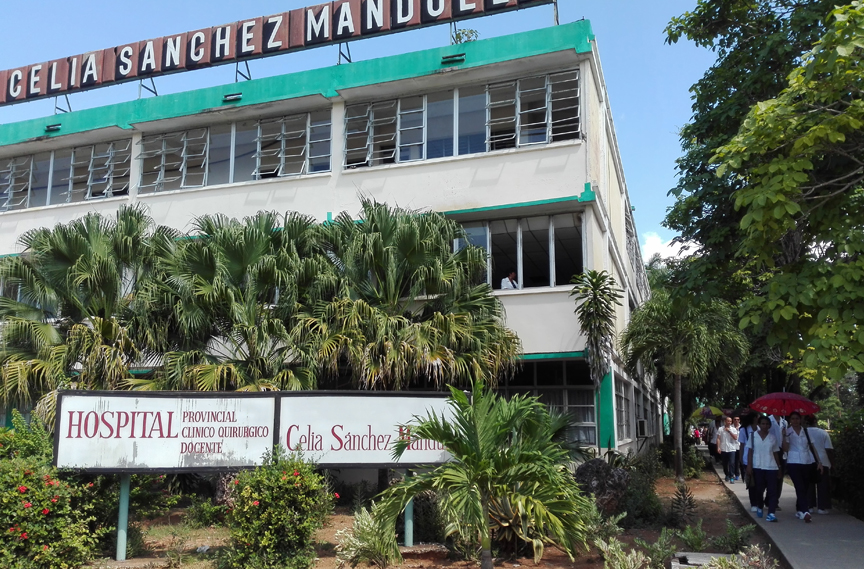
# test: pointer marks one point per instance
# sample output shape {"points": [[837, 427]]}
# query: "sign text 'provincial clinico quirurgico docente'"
{"points": [[165, 431], [331, 22]]}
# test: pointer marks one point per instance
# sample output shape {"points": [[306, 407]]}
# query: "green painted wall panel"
{"points": [[605, 398], [326, 82]]}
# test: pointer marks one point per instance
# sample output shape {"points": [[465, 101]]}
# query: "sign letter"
{"points": [[318, 28], [247, 36], [34, 79], [273, 42], [196, 53]]}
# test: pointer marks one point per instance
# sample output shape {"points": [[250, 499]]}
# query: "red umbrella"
{"points": [[783, 404]]}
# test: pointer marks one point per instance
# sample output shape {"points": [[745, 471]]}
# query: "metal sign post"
{"points": [[123, 517]]}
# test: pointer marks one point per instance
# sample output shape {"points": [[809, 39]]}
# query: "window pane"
{"points": [[60, 176], [524, 375], [383, 133], [476, 236], [39, 182], [535, 252], [357, 135], [578, 373], [552, 397], [472, 120], [109, 169], [15, 182], [245, 147], [568, 248], [550, 373], [532, 110], [584, 435], [220, 155], [565, 105], [319, 141], [502, 116], [439, 136], [504, 259]]}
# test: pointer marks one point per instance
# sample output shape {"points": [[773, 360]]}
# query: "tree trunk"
{"points": [[677, 431]]}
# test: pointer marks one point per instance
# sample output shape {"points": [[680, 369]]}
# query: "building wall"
{"points": [[581, 177]]}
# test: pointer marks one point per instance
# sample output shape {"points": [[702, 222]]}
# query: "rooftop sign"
{"points": [[332, 22], [110, 431]]}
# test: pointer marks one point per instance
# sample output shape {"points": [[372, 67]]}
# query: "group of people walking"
{"points": [[767, 448]]}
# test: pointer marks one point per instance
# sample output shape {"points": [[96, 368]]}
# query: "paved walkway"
{"points": [[835, 541]]}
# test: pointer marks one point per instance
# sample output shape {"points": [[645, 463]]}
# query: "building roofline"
{"points": [[324, 82]]}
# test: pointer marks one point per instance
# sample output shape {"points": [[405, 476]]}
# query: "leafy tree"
{"points": [[758, 43], [507, 474], [689, 340], [797, 159]]}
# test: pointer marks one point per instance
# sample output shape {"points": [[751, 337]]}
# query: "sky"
{"points": [[648, 81]]}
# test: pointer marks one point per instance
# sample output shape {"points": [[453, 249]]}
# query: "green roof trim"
{"points": [[586, 196], [326, 82], [552, 356]]}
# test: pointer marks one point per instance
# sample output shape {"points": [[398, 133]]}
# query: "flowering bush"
{"points": [[277, 509], [45, 519]]}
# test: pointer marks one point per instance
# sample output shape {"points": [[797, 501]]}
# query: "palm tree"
{"points": [[411, 309], [224, 300], [686, 339], [74, 284], [596, 298], [507, 475]]}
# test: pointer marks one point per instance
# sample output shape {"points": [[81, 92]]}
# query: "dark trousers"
{"points": [[712, 451], [765, 482], [753, 490], [820, 494], [729, 462], [798, 474], [780, 484]]}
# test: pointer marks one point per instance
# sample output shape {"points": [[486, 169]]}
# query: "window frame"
{"points": [[520, 221]]}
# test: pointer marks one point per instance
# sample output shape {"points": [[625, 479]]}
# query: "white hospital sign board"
{"points": [[184, 432]]}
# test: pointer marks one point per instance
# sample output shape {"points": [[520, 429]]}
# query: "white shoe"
{"points": [[823, 512], [799, 515], [753, 508]]}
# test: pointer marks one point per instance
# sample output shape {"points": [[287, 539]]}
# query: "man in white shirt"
{"points": [[509, 282], [820, 493], [727, 444]]}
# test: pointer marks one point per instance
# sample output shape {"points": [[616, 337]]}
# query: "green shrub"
{"points": [[25, 440], [203, 513], [135, 544], [751, 558], [602, 527], [735, 539], [614, 556], [45, 518], [659, 551], [694, 462], [277, 509], [641, 503], [848, 439], [694, 537], [372, 539]]}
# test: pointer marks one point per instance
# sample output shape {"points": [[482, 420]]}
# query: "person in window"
{"points": [[509, 282]]}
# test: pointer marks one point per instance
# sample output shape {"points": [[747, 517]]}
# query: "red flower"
{"points": [[28, 472], [297, 485], [22, 489], [284, 477], [296, 473], [27, 504], [336, 494], [44, 548], [54, 499], [255, 503], [45, 512], [24, 535], [236, 482], [90, 485], [47, 477]]}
